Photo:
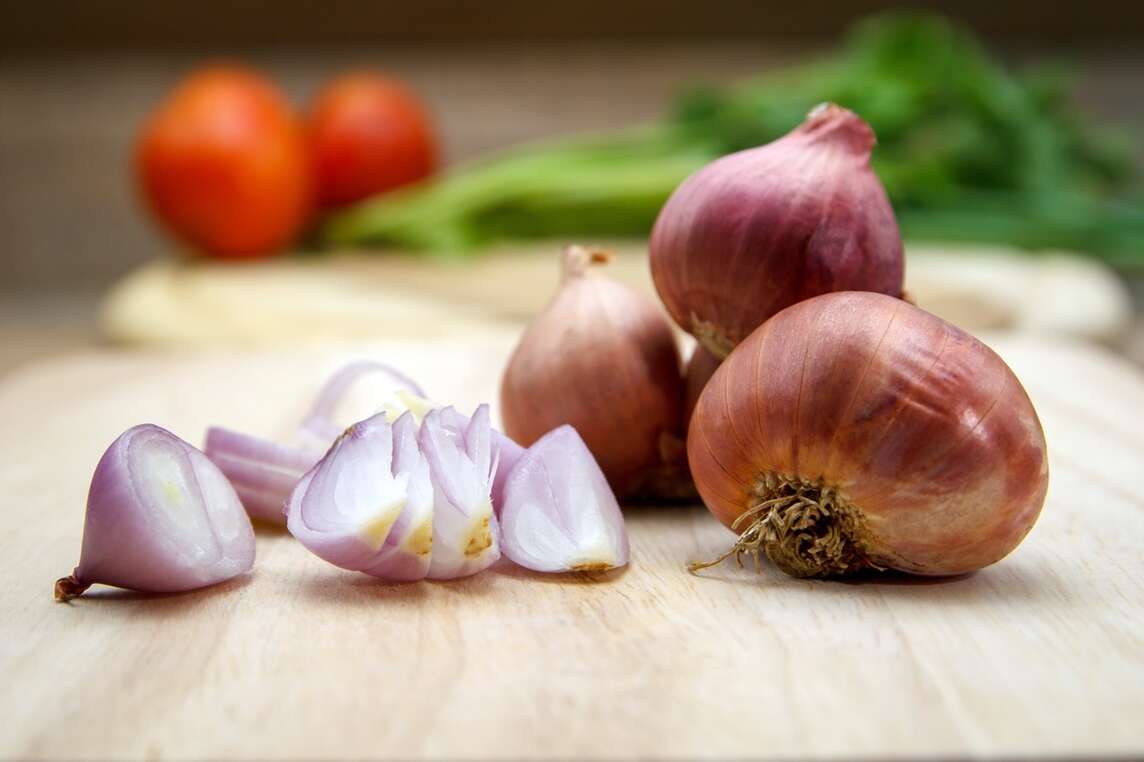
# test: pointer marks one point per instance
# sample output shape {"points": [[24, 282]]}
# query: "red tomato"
{"points": [[223, 164], [368, 134]]}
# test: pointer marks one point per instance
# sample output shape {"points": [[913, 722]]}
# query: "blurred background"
{"points": [[84, 263]]}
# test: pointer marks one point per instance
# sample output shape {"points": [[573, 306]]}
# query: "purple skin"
{"points": [[758, 230], [161, 518]]}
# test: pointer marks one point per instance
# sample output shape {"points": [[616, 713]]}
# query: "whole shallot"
{"points": [[854, 431], [601, 358], [761, 229]]}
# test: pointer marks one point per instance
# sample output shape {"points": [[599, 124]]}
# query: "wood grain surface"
{"points": [[1040, 654], [369, 296]]}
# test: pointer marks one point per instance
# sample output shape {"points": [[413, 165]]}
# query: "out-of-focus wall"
{"points": [[76, 78]]}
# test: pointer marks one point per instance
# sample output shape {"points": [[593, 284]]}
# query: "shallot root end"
{"points": [[711, 337], [69, 587], [805, 529]]}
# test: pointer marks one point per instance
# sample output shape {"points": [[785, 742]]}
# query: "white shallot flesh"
{"points": [[161, 518], [559, 514], [462, 465], [367, 505]]}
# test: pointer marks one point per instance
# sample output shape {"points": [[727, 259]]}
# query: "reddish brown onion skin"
{"points": [[920, 426], [761, 229], [602, 358], [698, 372]]}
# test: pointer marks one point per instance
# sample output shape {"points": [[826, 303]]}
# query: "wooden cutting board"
{"points": [[385, 295], [1042, 653]]}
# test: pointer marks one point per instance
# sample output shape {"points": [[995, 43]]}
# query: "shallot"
{"points": [[559, 513], [758, 230], [603, 359], [264, 472], [854, 431], [368, 504], [462, 464], [400, 502], [160, 518]]}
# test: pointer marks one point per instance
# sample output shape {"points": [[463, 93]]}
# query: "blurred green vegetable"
{"points": [[967, 151]]}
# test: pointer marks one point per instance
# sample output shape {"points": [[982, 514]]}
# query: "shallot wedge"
{"points": [[559, 513], [462, 465], [506, 452], [366, 505], [160, 518]]}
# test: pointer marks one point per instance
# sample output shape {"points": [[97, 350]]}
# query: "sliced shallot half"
{"points": [[160, 518], [462, 465], [367, 505], [559, 513]]}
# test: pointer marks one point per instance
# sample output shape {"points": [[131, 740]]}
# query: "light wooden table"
{"points": [[1042, 653]]}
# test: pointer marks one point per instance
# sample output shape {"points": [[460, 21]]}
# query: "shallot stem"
{"points": [[69, 587]]}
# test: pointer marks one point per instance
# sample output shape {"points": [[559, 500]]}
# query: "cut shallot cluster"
{"points": [[412, 492], [402, 502]]}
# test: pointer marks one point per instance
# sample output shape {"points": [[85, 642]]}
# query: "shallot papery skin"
{"points": [[161, 518], [855, 431], [368, 504], [602, 358], [559, 512], [700, 367], [758, 230]]}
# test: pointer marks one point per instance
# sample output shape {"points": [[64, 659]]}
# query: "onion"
{"points": [[402, 503], [601, 358], [855, 431], [559, 513], [761, 229], [160, 518], [368, 504]]}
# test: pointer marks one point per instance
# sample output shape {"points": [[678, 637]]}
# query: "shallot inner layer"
{"points": [[400, 502], [161, 518], [559, 512], [758, 230]]}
